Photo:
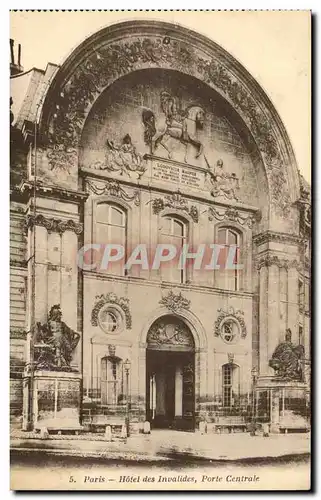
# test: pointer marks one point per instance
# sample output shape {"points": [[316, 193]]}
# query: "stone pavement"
{"points": [[169, 445]]}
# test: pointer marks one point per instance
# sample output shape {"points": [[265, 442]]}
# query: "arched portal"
{"points": [[170, 374]]}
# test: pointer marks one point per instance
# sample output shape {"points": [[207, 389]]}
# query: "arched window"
{"points": [[174, 232], [111, 227], [229, 279], [230, 384], [111, 380]]}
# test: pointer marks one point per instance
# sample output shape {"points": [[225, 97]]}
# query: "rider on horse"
{"points": [[174, 118]]}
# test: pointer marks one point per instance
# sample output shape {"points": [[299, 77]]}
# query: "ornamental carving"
{"points": [[274, 260], [177, 202], [230, 357], [288, 359], [111, 298], [18, 334], [180, 124], [173, 333], [111, 61], [54, 343], [222, 184], [175, 302], [268, 236], [113, 188], [62, 159], [112, 350], [234, 215], [122, 158], [234, 315], [54, 225]]}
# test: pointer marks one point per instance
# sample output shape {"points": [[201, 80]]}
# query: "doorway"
{"points": [[170, 379]]}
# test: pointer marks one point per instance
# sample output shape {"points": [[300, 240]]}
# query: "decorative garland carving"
{"points": [[111, 298], [114, 189], [235, 314], [110, 62], [175, 302], [274, 260], [54, 225], [177, 202], [231, 214]]}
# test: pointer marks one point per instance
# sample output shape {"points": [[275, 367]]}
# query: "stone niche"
{"points": [[56, 400], [115, 136]]}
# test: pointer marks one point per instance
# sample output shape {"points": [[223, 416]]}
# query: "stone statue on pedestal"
{"points": [[287, 359], [54, 343]]}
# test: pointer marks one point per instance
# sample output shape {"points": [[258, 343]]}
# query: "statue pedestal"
{"points": [[285, 403], [55, 399]]}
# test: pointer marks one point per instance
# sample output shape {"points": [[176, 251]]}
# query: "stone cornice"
{"points": [[53, 224], [27, 189], [269, 236]]}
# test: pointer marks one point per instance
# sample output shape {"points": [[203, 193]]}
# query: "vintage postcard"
{"points": [[160, 209]]}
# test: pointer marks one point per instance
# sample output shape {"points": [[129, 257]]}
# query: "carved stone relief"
{"points": [[273, 260], [180, 124], [175, 302], [111, 298], [221, 183], [122, 158], [177, 202], [163, 332], [54, 225], [234, 215], [234, 315], [113, 60], [113, 188]]}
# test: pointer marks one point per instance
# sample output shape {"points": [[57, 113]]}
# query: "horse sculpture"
{"points": [[182, 126]]}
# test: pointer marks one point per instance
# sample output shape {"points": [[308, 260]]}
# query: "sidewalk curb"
{"points": [[114, 455]]}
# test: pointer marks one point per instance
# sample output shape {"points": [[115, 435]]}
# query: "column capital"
{"points": [[269, 260], [53, 224]]}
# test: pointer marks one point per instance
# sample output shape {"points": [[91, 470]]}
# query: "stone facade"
{"points": [[224, 162]]}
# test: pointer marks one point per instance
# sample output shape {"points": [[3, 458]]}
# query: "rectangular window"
{"points": [[227, 385], [174, 232], [228, 279], [111, 381], [111, 228]]}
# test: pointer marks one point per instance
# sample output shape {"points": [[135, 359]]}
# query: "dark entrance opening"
{"points": [[170, 375]]}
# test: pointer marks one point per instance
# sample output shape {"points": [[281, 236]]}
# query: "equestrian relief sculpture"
{"points": [[179, 124]]}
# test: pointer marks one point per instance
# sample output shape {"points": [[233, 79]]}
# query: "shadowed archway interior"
{"points": [[170, 372]]}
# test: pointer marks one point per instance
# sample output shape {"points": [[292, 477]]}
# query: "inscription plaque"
{"points": [[178, 175]]}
